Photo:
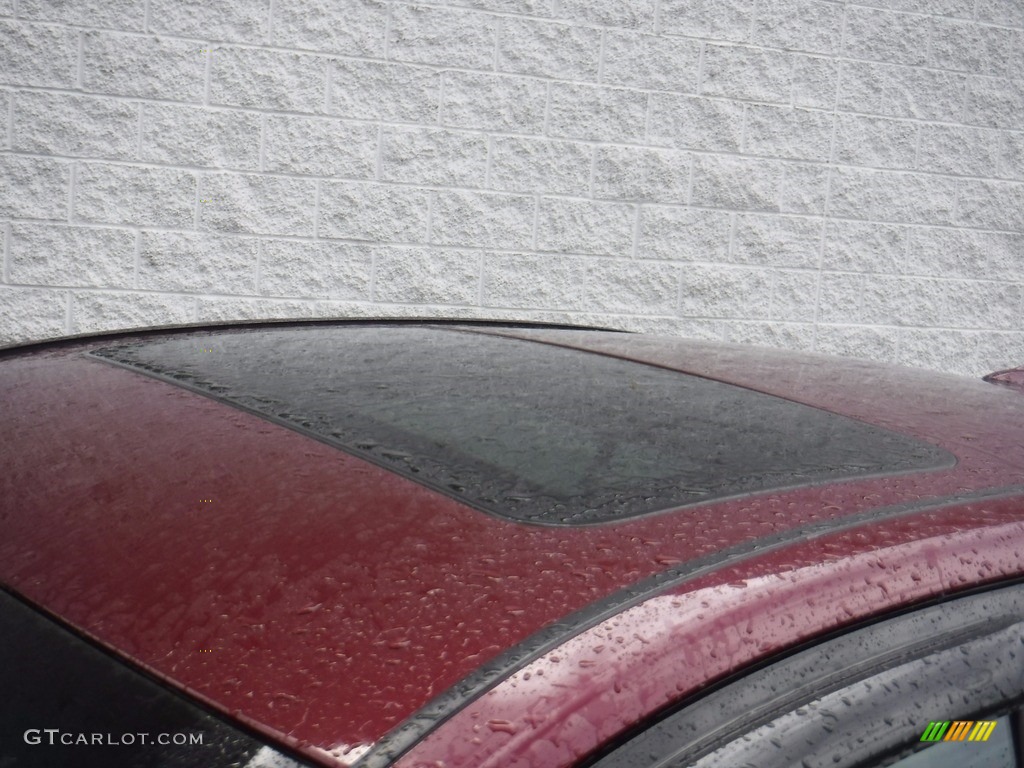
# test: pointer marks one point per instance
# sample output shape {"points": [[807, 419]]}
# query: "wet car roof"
{"points": [[335, 597], [528, 431]]}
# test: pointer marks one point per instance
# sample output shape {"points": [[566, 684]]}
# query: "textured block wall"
{"points": [[844, 177]]}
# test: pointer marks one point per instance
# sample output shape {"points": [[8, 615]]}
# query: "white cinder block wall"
{"points": [[839, 176]]}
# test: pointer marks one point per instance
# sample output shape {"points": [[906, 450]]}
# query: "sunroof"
{"points": [[525, 430]]}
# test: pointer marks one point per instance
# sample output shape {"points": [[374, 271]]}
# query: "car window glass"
{"points": [[865, 696], [845, 727], [64, 702]]}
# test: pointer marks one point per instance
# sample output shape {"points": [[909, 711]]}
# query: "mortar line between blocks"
{"points": [[198, 202], [635, 246], [499, 29], [908, 234], [679, 291], [378, 170], [591, 180], [480, 281], [263, 142], [700, 69], [536, 218], [792, 81], [8, 239], [547, 111], [826, 213], [138, 135], [430, 215], [316, 211], [647, 117], [689, 179], [207, 73], [441, 79], [734, 224], [918, 139], [825, 219], [137, 265], [817, 284], [10, 121], [490, 158], [327, 86], [71, 192], [373, 273], [81, 60], [259, 261], [744, 121]]}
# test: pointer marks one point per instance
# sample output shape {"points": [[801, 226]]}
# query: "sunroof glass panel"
{"points": [[528, 431]]}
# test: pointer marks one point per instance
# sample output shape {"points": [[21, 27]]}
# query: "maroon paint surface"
{"points": [[335, 597], [571, 701]]}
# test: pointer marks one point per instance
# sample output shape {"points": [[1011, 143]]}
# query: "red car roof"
{"points": [[325, 599]]}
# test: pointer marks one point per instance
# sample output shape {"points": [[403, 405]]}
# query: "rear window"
{"points": [[66, 703], [524, 430]]}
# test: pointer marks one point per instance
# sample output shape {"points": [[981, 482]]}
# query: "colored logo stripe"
{"points": [[935, 731], [959, 730], [982, 731]]}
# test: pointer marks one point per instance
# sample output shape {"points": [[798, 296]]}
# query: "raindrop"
{"points": [[502, 726]]}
